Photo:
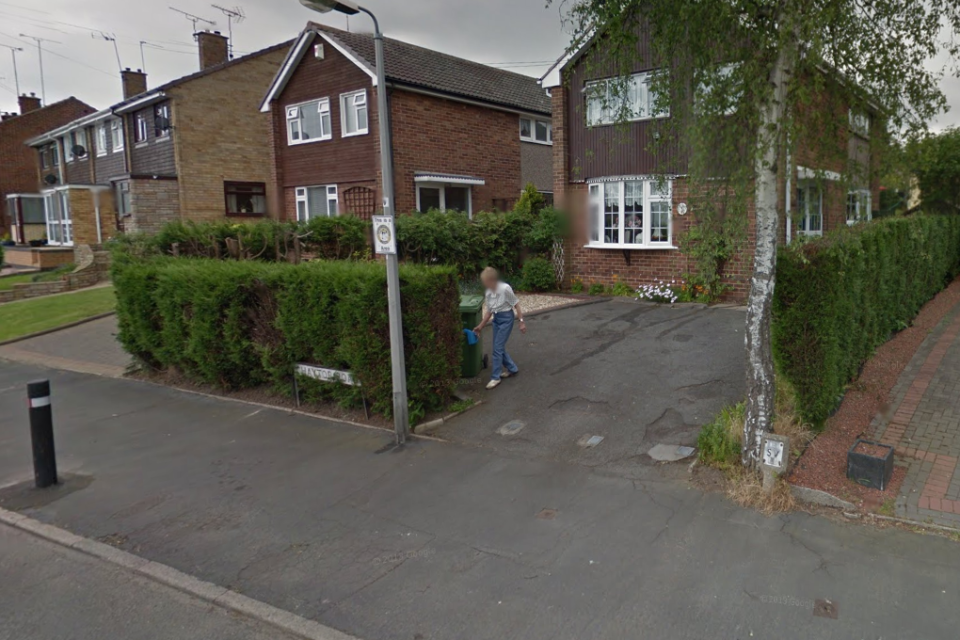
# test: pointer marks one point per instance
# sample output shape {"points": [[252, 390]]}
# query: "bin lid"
{"points": [[471, 302]]}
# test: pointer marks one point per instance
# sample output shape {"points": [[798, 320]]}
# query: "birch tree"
{"points": [[748, 82]]}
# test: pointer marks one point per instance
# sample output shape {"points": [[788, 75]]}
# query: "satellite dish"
{"points": [[51, 178], [79, 150]]}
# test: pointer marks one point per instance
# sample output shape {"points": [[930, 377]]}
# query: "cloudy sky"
{"points": [[521, 35]]}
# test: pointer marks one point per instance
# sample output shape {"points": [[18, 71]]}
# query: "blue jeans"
{"points": [[502, 326]]}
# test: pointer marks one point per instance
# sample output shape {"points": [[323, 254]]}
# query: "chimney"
{"points": [[28, 103], [213, 49], [134, 82]]}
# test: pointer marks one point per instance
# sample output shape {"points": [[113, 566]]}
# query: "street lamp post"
{"points": [[401, 418]]}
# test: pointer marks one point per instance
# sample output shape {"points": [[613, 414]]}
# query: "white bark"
{"points": [[761, 392]]}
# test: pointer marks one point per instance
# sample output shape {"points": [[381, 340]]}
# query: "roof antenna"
{"points": [[234, 15], [194, 19], [109, 38]]}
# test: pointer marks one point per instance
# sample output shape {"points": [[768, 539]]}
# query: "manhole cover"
{"points": [[825, 609], [588, 442], [547, 514], [512, 428]]}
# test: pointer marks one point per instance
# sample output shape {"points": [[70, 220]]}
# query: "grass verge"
{"points": [[719, 446], [39, 314], [7, 282]]}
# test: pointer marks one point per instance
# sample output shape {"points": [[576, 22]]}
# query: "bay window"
{"points": [[810, 210], [859, 206], [353, 114], [608, 101], [309, 122], [630, 214]]}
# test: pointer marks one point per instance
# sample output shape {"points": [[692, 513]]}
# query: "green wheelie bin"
{"points": [[471, 312]]}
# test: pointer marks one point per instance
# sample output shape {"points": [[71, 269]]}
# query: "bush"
{"points": [[597, 289], [539, 275], [240, 324], [839, 298]]}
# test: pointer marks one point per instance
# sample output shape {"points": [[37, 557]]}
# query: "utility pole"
{"points": [[16, 76], [40, 41]]}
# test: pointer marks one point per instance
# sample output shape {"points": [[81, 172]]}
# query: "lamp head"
{"points": [[325, 6]]}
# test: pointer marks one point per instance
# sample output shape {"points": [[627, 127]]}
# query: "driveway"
{"points": [[637, 374]]}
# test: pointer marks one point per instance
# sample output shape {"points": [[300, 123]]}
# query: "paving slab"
{"points": [[90, 347]]}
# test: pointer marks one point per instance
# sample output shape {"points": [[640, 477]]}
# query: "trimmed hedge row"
{"points": [[239, 324], [839, 298]]}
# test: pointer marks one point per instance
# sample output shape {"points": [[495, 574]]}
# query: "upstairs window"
{"points": [[630, 214], [116, 134], [245, 198], [609, 102], [140, 131], [859, 122], [533, 130], [161, 120], [102, 139], [309, 122], [721, 92], [353, 113]]}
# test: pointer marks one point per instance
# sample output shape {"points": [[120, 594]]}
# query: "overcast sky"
{"points": [[79, 62]]}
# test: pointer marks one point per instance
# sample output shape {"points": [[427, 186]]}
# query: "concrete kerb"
{"points": [[216, 595], [426, 428]]}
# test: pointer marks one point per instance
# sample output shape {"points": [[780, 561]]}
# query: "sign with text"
{"points": [[326, 375], [384, 235]]}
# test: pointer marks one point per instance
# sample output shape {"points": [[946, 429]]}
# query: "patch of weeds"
{"points": [[576, 286], [746, 488], [596, 289], [621, 289], [888, 508], [462, 405], [719, 441]]}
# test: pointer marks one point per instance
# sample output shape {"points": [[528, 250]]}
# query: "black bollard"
{"points": [[41, 434]]}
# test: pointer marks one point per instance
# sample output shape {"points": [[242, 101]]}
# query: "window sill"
{"points": [[140, 145], [246, 215], [628, 121], [297, 143], [355, 134], [533, 141], [632, 247], [162, 138]]}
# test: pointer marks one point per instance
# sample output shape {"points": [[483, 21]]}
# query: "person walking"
{"points": [[502, 304]]}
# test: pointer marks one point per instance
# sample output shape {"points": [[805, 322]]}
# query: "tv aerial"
{"points": [[234, 16], [194, 19]]}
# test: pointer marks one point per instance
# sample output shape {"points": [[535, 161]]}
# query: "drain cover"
{"points": [[826, 609], [547, 514], [588, 442], [512, 428]]}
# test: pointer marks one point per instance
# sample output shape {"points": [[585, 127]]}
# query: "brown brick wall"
{"points": [[220, 135], [437, 135], [19, 162], [154, 204], [83, 213]]}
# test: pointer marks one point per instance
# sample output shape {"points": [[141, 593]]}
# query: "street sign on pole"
{"points": [[384, 235]]}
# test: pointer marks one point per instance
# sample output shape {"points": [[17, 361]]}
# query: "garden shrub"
{"points": [[239, 324], [839, 298], [539, 275]]}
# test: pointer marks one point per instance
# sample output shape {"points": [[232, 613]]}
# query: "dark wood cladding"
{"points": [[110, 166], [613, 150], [335, 161], [155, 156], [78, 170]]}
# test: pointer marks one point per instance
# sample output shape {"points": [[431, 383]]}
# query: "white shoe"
{"points": [[493, 384]]}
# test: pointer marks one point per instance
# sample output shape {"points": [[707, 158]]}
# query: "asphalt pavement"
{"points": [[446, 541]]}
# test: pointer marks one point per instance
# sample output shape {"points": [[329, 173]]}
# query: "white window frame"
{"points": [[859, 122], [356, 101], [116, 135], [860, 204], [293, 116], [162, 111], [141, 131], [806, 195], [302, 197], [442, 186], [101, 139], [597, 197], [67, 142], [57, 217], [604, 111], [533, 130]]}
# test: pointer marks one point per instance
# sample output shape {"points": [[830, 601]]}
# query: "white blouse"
{"points": [[501, 299]]}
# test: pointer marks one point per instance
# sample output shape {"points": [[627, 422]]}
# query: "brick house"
{"points": [[627, 221], [195, 148], [465, 136], [18, 173]]}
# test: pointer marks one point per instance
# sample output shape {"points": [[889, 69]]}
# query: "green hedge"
{"points": [[239, 324], [839, 298]]}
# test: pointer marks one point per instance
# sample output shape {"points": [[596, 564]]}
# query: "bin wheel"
{"points": [[486, 361]]}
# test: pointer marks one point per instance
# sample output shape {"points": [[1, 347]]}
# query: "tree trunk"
{"points": [[761, 391]]}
